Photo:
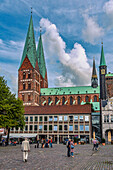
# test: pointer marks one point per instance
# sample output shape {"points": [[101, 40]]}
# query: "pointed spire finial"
{"points": [[40, 29], [102, 41], [31, 10]]}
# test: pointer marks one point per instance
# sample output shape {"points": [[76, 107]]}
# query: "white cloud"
{"points": [[74, 65], [92, 32], [108, 9]]}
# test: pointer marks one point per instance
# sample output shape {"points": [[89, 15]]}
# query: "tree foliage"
{"points": [[11, 108]]}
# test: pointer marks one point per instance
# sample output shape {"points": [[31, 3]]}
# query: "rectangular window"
{"points": [[35, 128], [71, 118], [45, 118], [86, 118], [26, 127], [16, 128], [70, 127], [31, 127], [104, 119], [76, 118], [81, 118], [55, 118], [45, 127], [81, 128], [111, 118], [21, 129], [65, 127], [40, 119], [50, 127], [26, 119], [76, 127], [107, 118], [55, 127], [60, 127], [36, 119], [50, 118], [40, 127], [65, 118], [31, 119], [86, 127], [60, 118]]}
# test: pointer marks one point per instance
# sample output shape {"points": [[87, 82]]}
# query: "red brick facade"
{"points": [[29, 83]]}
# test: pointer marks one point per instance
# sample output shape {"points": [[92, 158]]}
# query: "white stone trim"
{"points": [[26, 91]]}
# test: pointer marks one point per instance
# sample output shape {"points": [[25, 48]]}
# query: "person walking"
{"points": [[50, 144], [25, 149], [68, 148], [72, 148], [94, 144]]}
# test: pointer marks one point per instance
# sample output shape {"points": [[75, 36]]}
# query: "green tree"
{"points": [[11, 109]]}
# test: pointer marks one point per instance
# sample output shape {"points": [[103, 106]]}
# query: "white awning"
{"points": [[22, 135]]}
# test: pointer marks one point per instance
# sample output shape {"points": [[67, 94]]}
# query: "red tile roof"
{"points": [[57, 109]]}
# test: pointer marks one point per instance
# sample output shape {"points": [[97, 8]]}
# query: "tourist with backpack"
{"points": [[72, 148]]}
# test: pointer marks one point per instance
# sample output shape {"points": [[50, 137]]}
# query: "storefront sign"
{"points": [[1, 131]]}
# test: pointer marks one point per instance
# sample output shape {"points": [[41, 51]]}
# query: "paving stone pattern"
{"points": [[56, 158]]}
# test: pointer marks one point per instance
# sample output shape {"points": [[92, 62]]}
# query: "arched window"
{"points": [[63, 100], [23, 97], [24, 75], [78, 99], [87, 99], [24, 86], [29, 75], [29, 86], [29, 97], [49, 100], [71, 100], [56, 100], [95, 98]]}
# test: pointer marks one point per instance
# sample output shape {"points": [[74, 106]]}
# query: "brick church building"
{"points": [[59, 112]]}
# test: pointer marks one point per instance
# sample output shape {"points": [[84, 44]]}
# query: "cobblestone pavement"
{"points": [[55, 158]]}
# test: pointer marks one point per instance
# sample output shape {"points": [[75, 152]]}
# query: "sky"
{"points": [[72, 32]]}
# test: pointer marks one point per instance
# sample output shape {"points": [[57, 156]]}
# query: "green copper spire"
{"points": [[40, 57], [30, 46], [102, 60], [94, 73]]}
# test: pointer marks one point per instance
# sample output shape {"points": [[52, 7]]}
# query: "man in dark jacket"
{"points": [[68, 148]]}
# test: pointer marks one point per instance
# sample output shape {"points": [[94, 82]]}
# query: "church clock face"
{"points": [[103, 71]]}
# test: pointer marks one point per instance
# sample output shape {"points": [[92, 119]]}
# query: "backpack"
{"points": [[72, 147]]}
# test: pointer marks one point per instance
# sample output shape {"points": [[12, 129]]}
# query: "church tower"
{"points": [[42, 65], [102, 73], [28, 73], [94, 79]]}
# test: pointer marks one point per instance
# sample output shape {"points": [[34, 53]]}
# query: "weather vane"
{"points": [[40, 29], [31, 10]]}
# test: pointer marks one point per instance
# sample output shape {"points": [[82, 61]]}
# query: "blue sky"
{"points": [[72, 32]]}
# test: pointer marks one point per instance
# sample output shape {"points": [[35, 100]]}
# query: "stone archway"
{"points": [[109, 135]]}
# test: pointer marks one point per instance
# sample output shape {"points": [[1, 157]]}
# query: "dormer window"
{"points": [[24, 75]]}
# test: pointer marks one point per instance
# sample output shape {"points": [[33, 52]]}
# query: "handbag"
{"points": [[72, 147]]}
